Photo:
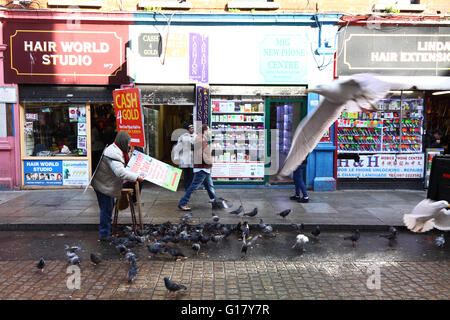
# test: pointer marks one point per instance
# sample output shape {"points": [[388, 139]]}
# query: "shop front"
{"points": [[396, 142], [65, 78], [247, 76]]}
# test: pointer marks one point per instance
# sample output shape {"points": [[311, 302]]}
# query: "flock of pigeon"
{"points": [[164, 239]]}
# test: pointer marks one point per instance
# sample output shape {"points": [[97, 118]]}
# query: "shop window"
{"points": [[6, 120], [55, 130]]}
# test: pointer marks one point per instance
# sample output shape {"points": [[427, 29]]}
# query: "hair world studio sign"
{"points": [[415, 51], [65, 56]]}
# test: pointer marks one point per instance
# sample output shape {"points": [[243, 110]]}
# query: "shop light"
{"points": [[438, 93]]}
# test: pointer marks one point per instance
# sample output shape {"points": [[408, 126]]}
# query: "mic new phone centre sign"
{"points": [[407, 51]]}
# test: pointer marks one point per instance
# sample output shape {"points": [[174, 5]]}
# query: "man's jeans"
{"points": [[298, 181], [199, 178], [106, 204]]}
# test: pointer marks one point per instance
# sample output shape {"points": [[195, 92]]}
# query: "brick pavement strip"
{"points": [[232, 280]]}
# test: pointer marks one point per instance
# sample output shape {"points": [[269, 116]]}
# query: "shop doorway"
{"points": [[284, 117], [103, 130], [160, 122]]}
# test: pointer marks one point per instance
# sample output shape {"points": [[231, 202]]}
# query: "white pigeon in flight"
{"points": [[357, 93], [300, 240], [428, 214]]}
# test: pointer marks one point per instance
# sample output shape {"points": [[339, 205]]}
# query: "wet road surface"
{"points": [[331, 246]]}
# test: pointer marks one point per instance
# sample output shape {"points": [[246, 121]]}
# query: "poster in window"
{"points": [[82, 142], [82, 131], [28, 128]]}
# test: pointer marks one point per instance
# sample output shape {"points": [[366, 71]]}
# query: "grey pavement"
{"points": [[71, 208]]}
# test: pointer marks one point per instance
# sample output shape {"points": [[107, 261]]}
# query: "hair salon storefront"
{"points": [[65, 74]]}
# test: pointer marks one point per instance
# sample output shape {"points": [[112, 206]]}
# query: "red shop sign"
{"points": [[127, 106], [65, 56]]}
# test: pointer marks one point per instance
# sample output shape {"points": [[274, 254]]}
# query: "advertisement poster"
{"points": [[382, 166], [238, 170], [75, 173], [155, 171], [58, 172], [82, 144], [82, 130], [127, 107], [43, 173]]}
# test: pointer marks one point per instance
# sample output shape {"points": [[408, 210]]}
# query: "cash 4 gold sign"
{"points": [[127, 106], [65, 56]]}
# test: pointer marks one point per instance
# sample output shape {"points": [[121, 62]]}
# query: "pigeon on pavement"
{"points": [[237, 211], [299, 227], [41, 264], [72, 249], [74, 260], [252, 213], [428, 214], [172, 286], [392, 236], [440, 241], [354, 237], [215, 217], [284, 213], [130, 256], [174, 252], [132, 271], [316, 232], [95, 259], [246, 245], [122, 249], [186, 217], [301, 240], [196, 247], [265, 228]]}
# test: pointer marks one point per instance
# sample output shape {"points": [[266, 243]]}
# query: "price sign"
{"points": [[127, 106]]}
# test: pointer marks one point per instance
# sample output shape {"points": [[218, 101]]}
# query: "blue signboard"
{"points": [[43, 172]]}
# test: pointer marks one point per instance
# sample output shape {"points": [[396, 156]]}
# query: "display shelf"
{"points": [[396, 127], [238, 139]]}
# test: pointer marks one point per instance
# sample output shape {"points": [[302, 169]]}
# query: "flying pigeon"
{"points": [[354, 237], [246, 245], [357, 93], [132, 271], [95, 259], [300, 240], [440, 241], [428, 214], [41, 264], [252, 213], [196, 247], [237, 211], [316, 232], [392, 236], [284, 213], [172, 286]]}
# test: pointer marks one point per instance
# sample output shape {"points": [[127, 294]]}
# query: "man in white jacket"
{"points": [[108, 179], [184, 152]]}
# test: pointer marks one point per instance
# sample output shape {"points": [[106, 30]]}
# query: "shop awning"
{"points": [[66, 94]]}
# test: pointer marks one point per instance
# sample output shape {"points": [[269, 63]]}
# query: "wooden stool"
{"points": [[129, 192]]}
